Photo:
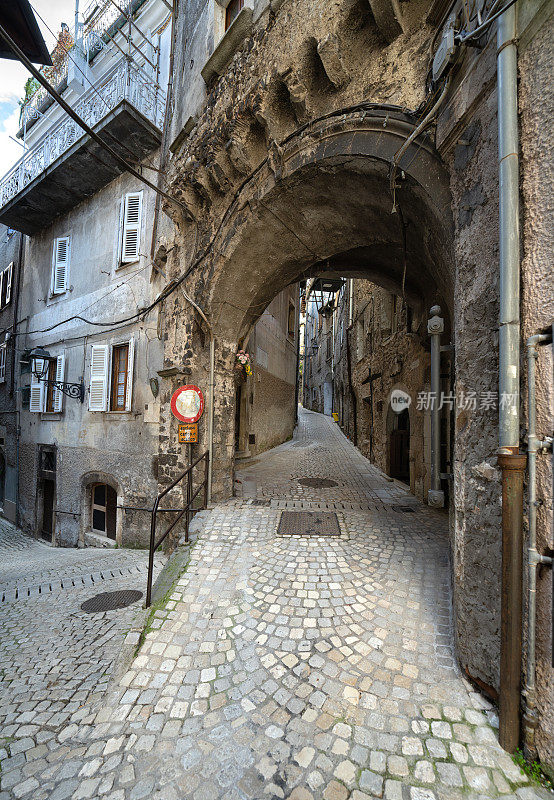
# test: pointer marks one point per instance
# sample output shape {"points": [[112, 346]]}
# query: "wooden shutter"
{"points": [[8, 279], [61, 265], [36, 402], [129, 388], [99, 367], [132, 217], [60, 370]]}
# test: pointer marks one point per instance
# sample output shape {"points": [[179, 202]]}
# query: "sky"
{"points": [[13, 76]]}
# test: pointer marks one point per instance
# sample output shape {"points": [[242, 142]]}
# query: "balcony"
{"points": [[66, 165]]}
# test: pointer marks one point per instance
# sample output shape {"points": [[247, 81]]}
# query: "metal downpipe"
{"points": [[435, 328], [510, 461], [534, 557]]}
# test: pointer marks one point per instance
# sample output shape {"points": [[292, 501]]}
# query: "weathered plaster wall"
{"points": [[123, 445]]}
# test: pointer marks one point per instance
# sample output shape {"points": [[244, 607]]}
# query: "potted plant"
{"points": [[242, 366]]}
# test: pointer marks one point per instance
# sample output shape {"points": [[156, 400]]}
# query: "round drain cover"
{"points": [[317, 483], [109, 601]]}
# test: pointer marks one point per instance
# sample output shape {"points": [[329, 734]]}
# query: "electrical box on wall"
{"points": [[445, 53]]}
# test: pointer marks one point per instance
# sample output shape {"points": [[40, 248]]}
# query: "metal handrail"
{"points": [[180, 513]]}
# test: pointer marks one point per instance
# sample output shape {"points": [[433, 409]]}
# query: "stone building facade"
{"points": [[11, 270], [288, 118]]}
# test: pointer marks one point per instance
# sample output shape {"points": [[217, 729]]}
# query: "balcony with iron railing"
{"points": [[126, 108]]}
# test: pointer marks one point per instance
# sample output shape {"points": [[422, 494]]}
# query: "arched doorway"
{"points": [[103, 510], [399, 447]]}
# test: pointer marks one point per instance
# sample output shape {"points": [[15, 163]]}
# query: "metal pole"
{"points": [[508, 155], [151, 556], [508, 381], [435, 327], [513, 468], [534, 557]]}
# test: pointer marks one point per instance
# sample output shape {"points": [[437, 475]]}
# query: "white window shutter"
{"points": [[36, 402], [129, 387], [132, 218], [60, 371], [61, 265], [8, 279], [3, 350], [99, 367]]}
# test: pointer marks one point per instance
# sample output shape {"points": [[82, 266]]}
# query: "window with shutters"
{"points": [[50, 389], [131, 220], [120, 369], [6, 276], [3, 350], [111, 377], [45, 397], [60, 265]]}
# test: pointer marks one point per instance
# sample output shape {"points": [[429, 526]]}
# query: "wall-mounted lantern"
{"points": [[75, 390]]}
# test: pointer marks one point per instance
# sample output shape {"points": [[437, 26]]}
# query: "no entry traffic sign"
{"points": [[187, 403]]}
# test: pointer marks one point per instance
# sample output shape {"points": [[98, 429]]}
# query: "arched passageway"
{"points": [[327, 210]]}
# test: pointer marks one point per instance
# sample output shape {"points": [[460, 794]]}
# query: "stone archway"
{"points": [[326, 209], [114, 529]]}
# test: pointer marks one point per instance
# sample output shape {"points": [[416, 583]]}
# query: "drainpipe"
{"points": [[435, 327], [535, 446], [510, 461]]}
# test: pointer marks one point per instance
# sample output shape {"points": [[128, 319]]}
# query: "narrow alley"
{"points": [[284, 665]]}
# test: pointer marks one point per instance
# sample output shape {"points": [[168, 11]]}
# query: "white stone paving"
{"points": [[309, 668]]}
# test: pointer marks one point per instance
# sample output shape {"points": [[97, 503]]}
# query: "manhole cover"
{"points": [[317, 483], [308, 523], [109, 601], [404, 509]]}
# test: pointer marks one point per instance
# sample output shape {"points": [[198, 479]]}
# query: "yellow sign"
{"points": [[188, 433]]}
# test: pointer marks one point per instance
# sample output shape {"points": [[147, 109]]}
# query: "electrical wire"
{"points": [[460, 38], [425, 122]]}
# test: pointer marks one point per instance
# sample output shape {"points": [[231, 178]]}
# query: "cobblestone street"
{"points": [[305, 667]]}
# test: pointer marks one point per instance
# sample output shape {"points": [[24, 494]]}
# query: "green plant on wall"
{"points": [[52, 73]]}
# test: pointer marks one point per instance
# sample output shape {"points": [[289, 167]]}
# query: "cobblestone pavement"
{"points": [[55, 660], [300, 667]]}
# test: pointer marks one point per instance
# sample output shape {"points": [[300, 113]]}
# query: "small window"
{"points": [[291, 321], [3, 351], [60, 265], [120, 371], [232, 12]]}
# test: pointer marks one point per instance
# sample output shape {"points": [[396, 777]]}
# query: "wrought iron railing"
{"points": [[125, 81], [99, 16], [187, 511]]}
